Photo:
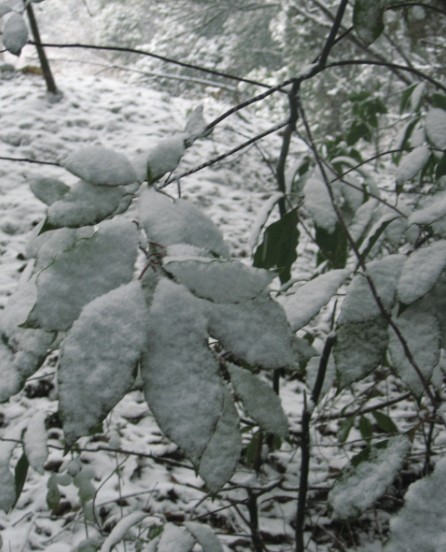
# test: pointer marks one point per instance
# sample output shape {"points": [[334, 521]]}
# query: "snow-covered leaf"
{"points": [[22, 351], [420, 525], [359, 349], [220, 281], [15, 33], [256, 331], [308, 299], [220, 458], [181, 377], [422, 334], [376, 233], [434, 210], [7, 482], [164, 157], [262, 218], [169, 222], [421, 271], [412, 164], [85, 204], [4, 8], [48, 245], [101, 166], [204, 536], [436, 127], [359, 304], [35, 441], [259, 400], [360, 486], [363, 218], [92, 267], [120, 529], [49, 190], [195, 126], [318, 203], [175, 539], [99, 357], [368, 19]]}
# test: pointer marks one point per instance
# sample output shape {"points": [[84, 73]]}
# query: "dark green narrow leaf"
{"points": [[441, 167], [405, 97], [332, 247], [368, 19], [365, 428], [379, 230], [21, 471], [439, 100], [384, 422], [344, 429], [278, 248]]}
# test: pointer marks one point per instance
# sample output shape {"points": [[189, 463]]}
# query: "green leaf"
{"points": [[20, 474], [220, 458], [357, 131], [22, 351], [359, 303], [368, 19], [204, 536], [421, 332], [360, 348], [441, 167], [175, 539], [259, 401], [168, 222], [181, 378], [92, 267], [85, 204], [333, 247], [439, 101], [366, 479], [101, 166], [303, 303], [345, 428], [99, 357], [49, 190], [53, 494], [365, 428], [384, 422], [375, 233], [420, 523], [421, 271], [278, 247], [256, 331], [221, 281]]}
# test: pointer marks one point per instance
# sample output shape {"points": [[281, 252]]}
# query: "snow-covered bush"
{"points": [[135, 289]]}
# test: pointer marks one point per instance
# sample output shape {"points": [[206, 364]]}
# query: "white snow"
{"points": [[15, 33], [256, 331], [35, 441], [220, 281], [92, 267], [359, 303], [99, 357], [412, 163], [179, 369], [358, 489], [436, 127], [101, 166], [421, 271], [306, 301], [259, 400]]}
